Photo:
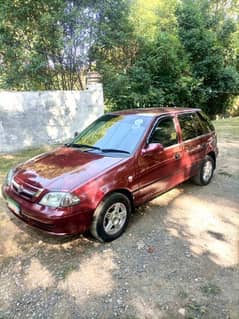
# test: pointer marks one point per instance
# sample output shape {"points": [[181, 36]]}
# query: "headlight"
{"points": [[59, 199], [9, 177]]}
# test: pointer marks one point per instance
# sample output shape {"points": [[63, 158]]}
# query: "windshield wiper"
{"points": [[104, 150], [113, 150], [84, 145]]}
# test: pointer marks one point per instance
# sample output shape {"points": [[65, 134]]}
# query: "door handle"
{"points": [[177, 156]]}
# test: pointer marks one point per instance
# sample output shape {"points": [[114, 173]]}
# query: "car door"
{"points": [[193, 142], [158, 171]]}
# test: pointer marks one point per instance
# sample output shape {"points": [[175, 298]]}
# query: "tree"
{"points": [[29, 41], [115, 50], [180, 53], [130, 62], [207, 39], [47, 44]]}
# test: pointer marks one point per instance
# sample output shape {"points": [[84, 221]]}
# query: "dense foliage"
{"points": [[171, 53]]}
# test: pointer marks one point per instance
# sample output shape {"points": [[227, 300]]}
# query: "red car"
{"points": [[120, 161]]}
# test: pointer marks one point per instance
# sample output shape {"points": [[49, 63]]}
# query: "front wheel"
{"points": [[205, 172], [111, 217]]}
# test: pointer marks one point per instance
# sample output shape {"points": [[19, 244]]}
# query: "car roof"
{"points": [[156, 111]]}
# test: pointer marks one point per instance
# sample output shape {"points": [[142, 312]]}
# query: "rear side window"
{"points": [[198, 125], [194, 124], [189, 129], [164, 133], [205, 122]]}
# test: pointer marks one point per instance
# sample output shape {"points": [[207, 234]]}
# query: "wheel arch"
{"points": [[97, 226], [213, 155], [123, 191]]}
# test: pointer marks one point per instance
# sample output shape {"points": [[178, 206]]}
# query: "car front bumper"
{"points": [[53, 221]]}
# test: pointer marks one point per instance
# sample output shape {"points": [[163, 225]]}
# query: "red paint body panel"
{"points": [[92, 176]]}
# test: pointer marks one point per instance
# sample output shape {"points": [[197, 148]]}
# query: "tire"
{"points": [[205, 172], [111, 217]]}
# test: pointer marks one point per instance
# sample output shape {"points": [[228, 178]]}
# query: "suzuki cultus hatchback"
{"points": [[120, 161]]}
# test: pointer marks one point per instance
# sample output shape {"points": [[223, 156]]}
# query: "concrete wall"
{"points": [[30, 119]]}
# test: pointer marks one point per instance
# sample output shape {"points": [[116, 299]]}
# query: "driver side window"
{"points": [[164, 133]]}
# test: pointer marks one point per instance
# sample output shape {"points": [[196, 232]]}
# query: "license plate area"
{"points": [[13, 206]]}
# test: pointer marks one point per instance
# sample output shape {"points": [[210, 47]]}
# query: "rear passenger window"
{"points": [[188, 127], [205, 122], [198, 125], [164, 133]]}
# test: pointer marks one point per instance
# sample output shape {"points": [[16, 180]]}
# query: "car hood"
{"points": [[63, 169]]}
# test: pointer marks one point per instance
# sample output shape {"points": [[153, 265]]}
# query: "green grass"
{"points": [[8, 161], [196, 310], [67, 269], [227, 128], [210, 289]]}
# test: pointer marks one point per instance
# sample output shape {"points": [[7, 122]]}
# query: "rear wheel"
{"points": [[205, 172], [111, 217]]}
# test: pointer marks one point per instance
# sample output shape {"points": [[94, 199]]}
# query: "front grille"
{"points": [[27, 191]]}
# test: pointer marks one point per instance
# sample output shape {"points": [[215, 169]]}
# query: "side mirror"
{"points": [[151, 149], [75, 134]]}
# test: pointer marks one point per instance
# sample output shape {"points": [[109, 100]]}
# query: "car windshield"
{"points": [[113, 133]]}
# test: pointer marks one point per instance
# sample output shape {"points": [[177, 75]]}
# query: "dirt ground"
{"points": [[177, 259]]}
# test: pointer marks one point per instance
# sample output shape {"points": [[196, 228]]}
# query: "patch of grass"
{"points": [[183, 294], [227, 128], [210, 290], [10, 160], [195, 310], [66, 270]]}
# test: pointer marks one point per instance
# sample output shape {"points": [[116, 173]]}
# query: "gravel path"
{"points": [[177, 259]]}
